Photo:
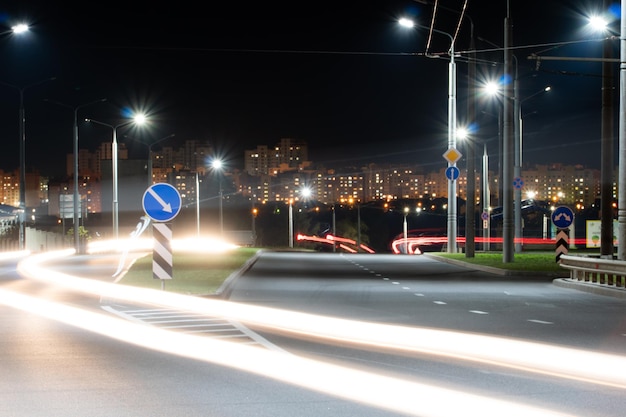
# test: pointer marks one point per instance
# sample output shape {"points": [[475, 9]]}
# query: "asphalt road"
{"points": [[165, 364]]}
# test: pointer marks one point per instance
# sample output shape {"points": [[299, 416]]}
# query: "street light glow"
{"points": [[20, 28], [407, 23], [598, 23]]}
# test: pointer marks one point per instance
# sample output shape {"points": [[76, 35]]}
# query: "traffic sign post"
{"points": [[162, 202], [562, 217]]}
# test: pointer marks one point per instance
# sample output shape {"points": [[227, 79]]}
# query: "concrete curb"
{"points": [[226, 288], [600, 289], [500, 271]]}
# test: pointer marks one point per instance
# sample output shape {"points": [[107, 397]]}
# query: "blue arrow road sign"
{"points": [[562, 217], [452, 173], [161, 202]]}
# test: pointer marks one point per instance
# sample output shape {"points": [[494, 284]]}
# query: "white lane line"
{"points": [[386, 279], [406, 288], [478, 312], [540, 321], [395, 282], [417, 294], [440, 302]]}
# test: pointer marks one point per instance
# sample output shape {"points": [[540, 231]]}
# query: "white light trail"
{"points": [[397, 395], [563, 362]]}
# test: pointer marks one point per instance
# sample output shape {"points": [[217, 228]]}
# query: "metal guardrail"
{"points": [[607, 272]]}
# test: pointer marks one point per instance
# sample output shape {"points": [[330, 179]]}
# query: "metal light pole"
{"points": [[255, 211], [197, 206], [621, 203], [138, 120], [22, 124], [606, 150], [149, 146], [358, 226], [405, 228], [486, 199], [452, 206], [217, 166], [291, 223], [517, 169], [334, 229], [76, 176], [508, 221]]}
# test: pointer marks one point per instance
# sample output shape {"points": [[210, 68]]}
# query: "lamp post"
{"points": [[18, 30], [76, 193], [517, 169], [621, 193], [138, 119], [255, 211], [149, 146], [217, 166], [22, 124], [197, 206], [334, 229], [486, 199], [452, 212], [291, 223], [405, 228]]}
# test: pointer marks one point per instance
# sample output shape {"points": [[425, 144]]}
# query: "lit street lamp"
{"points": [[452, 212], [218, 166], [405, 226], [137, 119], [255, 211]]}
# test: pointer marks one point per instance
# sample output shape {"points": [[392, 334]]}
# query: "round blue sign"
{"points": [[452, 173], [562, 217], [161, 202]]}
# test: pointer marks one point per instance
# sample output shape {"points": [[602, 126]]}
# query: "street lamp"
{"points": [[218, 166], [405, 226], [22, 121], [197, 206], [452, 212], [517, 169], [76, 193], [149, 146], [255, 212], [291, 223], [138, 119]]}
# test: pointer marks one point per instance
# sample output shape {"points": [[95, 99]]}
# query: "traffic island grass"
{"points": [[540, 262], [193, 273]]}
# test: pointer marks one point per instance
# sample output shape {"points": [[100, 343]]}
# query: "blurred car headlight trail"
{"points": [[562, 362], [192, 244], [7, 256], [389, 393]]}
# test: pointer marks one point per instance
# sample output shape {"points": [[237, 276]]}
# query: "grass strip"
{"points": [[193, 273], [525, 261]]}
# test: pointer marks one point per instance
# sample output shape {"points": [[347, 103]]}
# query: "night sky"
{"points": [[341, 75]]}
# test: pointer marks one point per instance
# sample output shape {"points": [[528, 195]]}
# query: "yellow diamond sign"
{"points": [[452, 155]]}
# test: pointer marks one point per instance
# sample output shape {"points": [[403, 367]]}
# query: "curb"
{"points": [[225, 289], [500, 271], [600, 289]]}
